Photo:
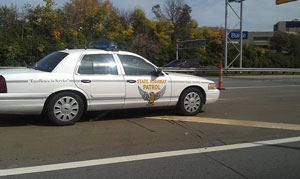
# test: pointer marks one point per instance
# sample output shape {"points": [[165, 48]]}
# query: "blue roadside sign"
{"points": [[236, 35]]}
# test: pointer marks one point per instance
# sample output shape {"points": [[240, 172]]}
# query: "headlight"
{"points": [[211, 86]]}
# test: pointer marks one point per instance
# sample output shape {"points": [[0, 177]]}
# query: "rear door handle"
{"points": [[131, 81], [86, 81]]}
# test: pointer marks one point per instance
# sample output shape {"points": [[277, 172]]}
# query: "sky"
{"points": [[258, 15]]}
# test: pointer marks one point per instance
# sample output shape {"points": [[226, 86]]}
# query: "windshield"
{"points": [[49, 62]]}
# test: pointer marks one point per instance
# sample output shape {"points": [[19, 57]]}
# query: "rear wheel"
{"points": [[65, 108], [190, 102]]}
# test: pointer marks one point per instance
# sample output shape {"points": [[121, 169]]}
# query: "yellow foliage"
{"points": [[56, 35], [260, 51], [162, 31], [82, 9], [218, 42], [202, 50], [99, 27], [75, 33], [41, 47], [211, 33], [112, 35], [128, 32]]}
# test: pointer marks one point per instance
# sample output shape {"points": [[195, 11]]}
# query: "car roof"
{"points": [[96, 51]]}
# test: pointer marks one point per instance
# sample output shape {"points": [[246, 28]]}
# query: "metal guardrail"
{"points": [[175, 69], [293, 70]]}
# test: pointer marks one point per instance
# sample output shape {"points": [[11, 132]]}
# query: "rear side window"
{"points": [[49, 62], [98, 64]]}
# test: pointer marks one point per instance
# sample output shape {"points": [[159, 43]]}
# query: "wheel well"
{"points": [[199, 88], [71, 91]]}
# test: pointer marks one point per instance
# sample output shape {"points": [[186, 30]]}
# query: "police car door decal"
{"points": [[151, 97], [151, 90]]}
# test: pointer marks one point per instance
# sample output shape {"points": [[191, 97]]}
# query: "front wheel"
{"points": [[190, 102], [65, 108]]}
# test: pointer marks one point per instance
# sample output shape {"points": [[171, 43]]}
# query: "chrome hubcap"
{"points": [[66, 108], [192, 102]]}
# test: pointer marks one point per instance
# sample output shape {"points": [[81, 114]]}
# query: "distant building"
{"points": [[262, 38], [259, 38], [288, 26]]}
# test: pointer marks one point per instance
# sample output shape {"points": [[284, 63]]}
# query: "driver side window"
{"points": [[136, 66]]}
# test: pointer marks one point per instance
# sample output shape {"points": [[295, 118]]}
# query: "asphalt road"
{"points": [[253, 131]]}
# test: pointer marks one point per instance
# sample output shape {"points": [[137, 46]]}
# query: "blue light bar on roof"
{"points": [[105, 45]]}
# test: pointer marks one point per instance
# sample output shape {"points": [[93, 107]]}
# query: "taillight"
{"points": [[3, 88]]}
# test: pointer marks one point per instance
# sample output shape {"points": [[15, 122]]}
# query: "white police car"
{"points": [[67, 83]]}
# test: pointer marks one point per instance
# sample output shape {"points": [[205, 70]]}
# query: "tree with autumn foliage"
{"points": [[28, 35]]}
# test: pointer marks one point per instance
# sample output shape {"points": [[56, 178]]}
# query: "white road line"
{"points": [[232, 122], [258, 87], [97, 162]]}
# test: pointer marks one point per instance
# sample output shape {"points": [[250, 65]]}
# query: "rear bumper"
{"points": [[21, 105], [212, 96]]}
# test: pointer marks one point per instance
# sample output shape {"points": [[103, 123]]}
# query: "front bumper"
{"points": [[212, 96]]}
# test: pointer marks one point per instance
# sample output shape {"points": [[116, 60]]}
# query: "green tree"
{"points": [[86, 19], [279, 41], [43, 30], [11, 35], [294, 44], [178, 13]]}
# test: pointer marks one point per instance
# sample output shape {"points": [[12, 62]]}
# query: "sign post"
{"points": [[241, 32], [234, 35]]}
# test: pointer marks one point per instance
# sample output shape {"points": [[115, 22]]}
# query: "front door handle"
{"points": [[86, 81], [131, 81]]}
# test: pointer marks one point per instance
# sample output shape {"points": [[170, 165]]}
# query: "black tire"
{"points": [[64, 108], [190, 102]]}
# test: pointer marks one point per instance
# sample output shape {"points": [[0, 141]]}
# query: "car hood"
{"points": [[185, 77]]}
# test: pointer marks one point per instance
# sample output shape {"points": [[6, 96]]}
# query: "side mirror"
{"points": [[159, 72]]}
